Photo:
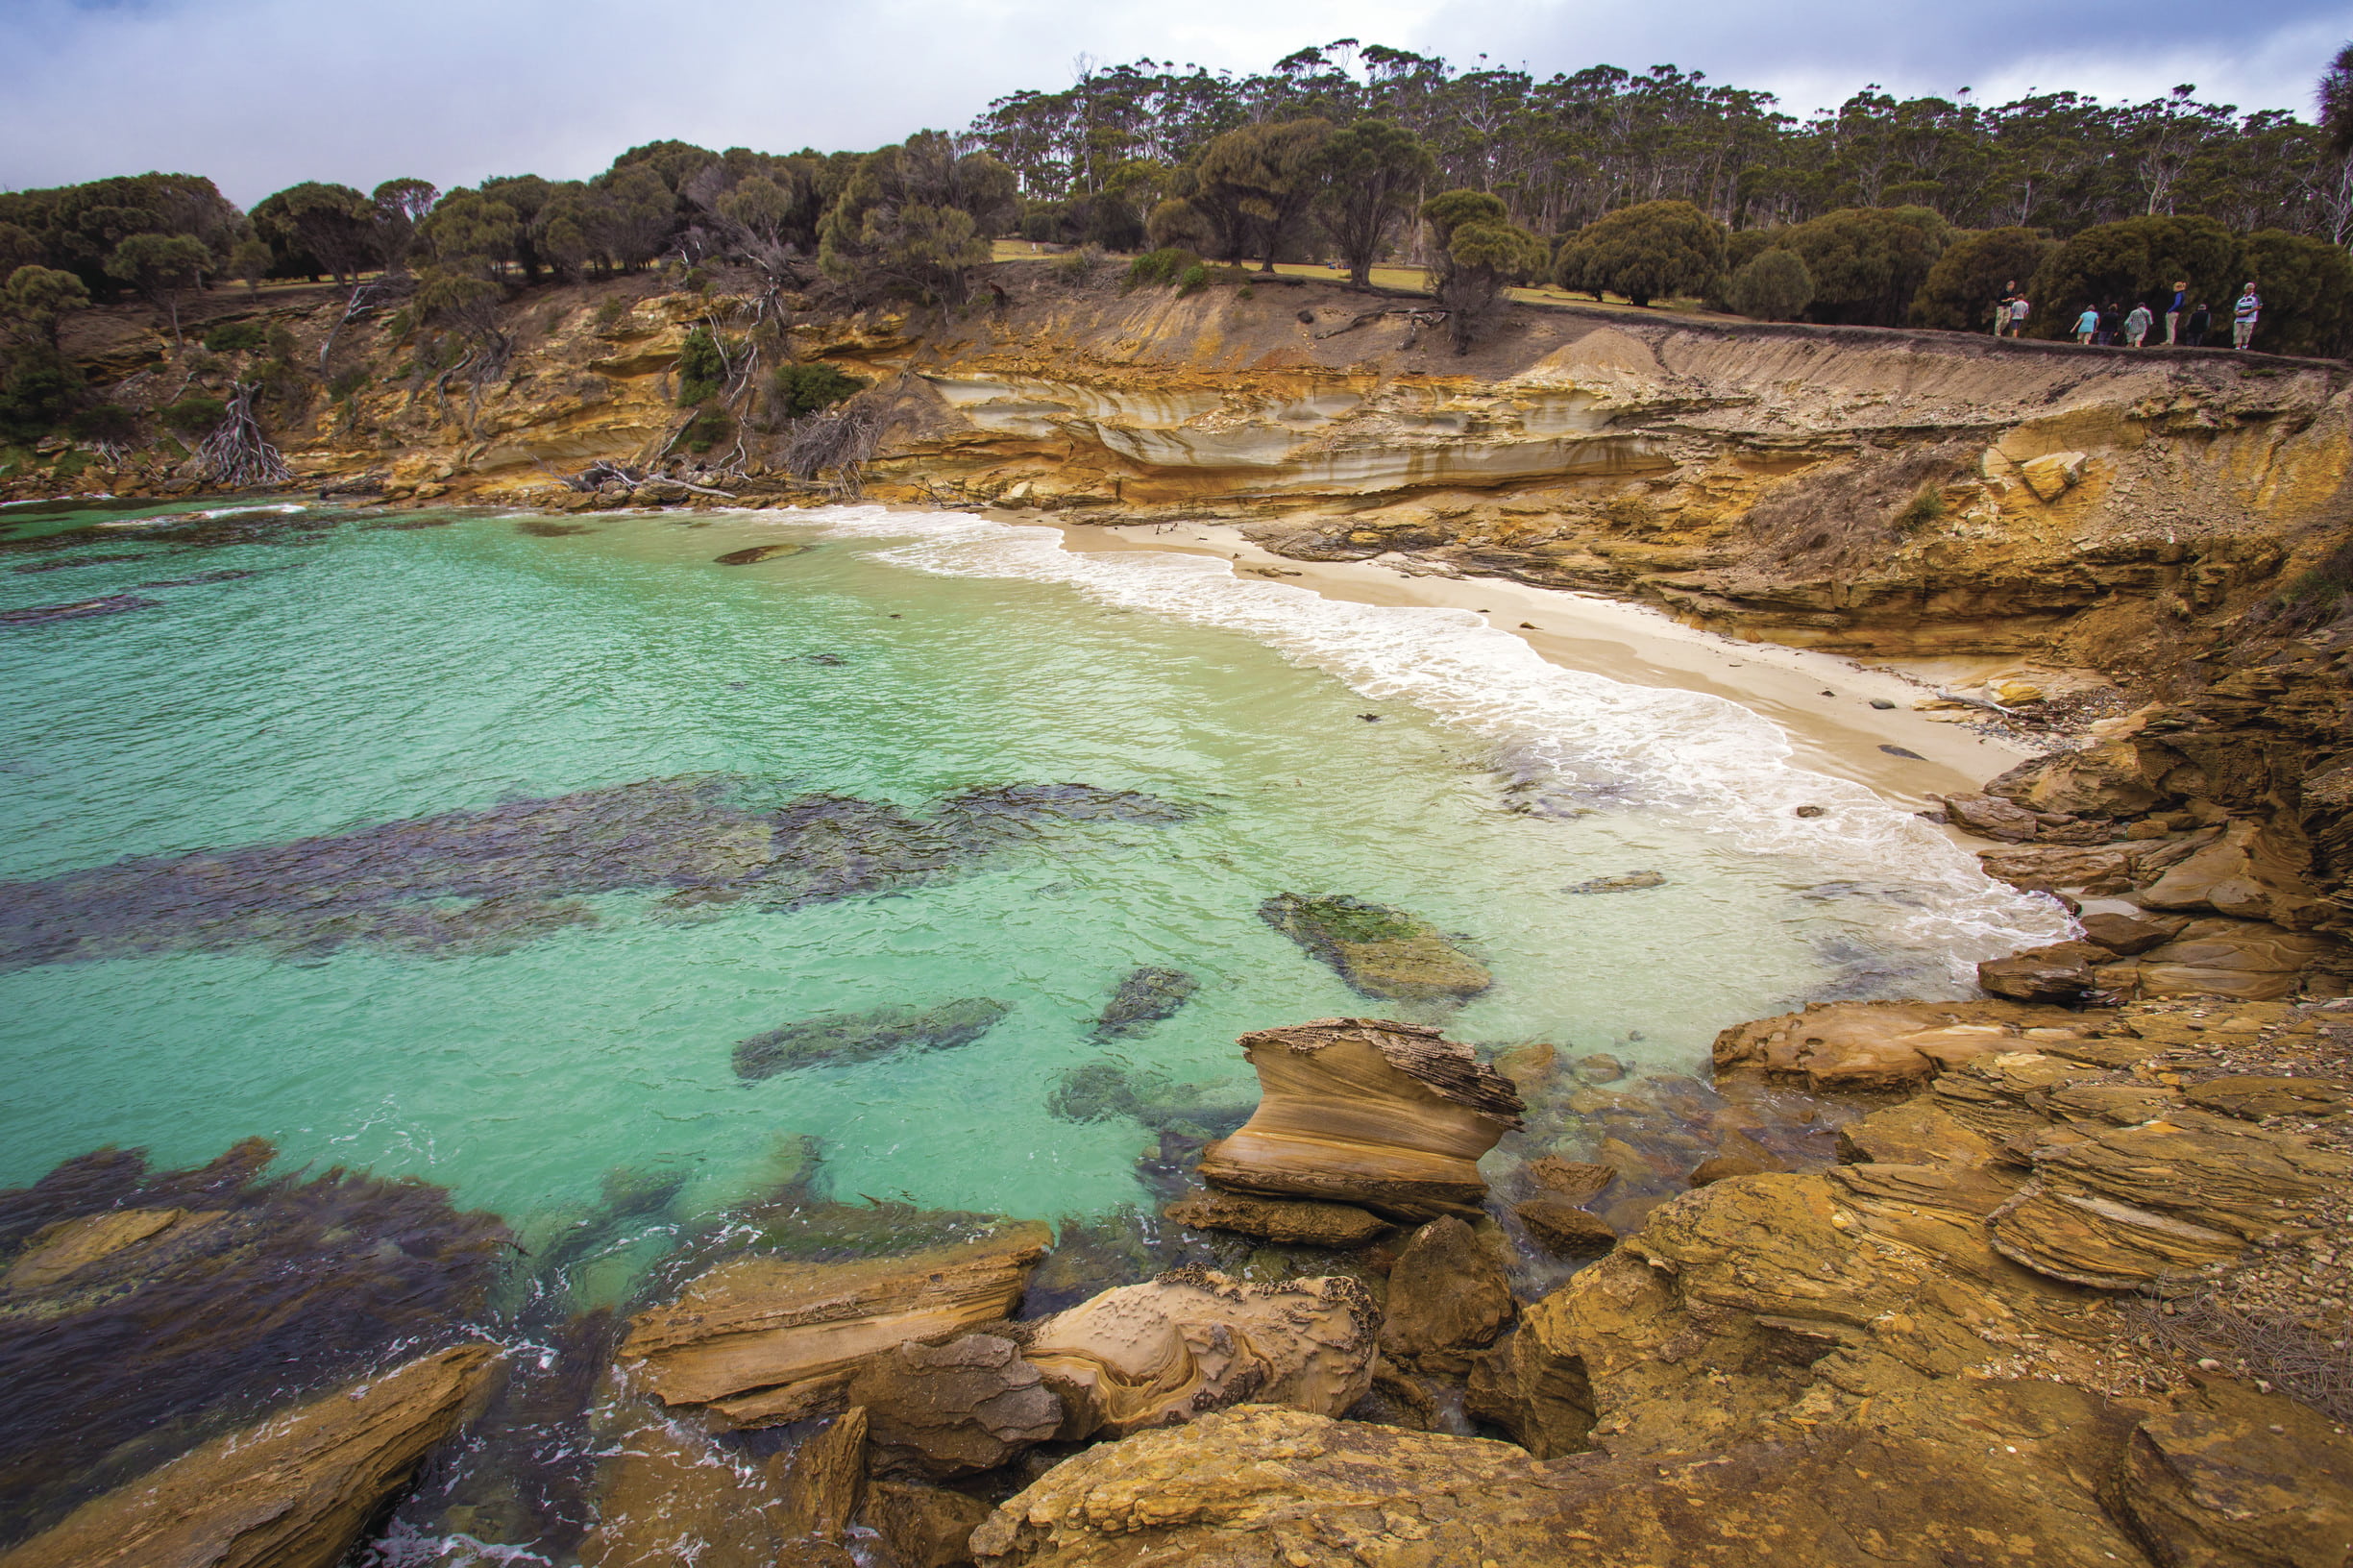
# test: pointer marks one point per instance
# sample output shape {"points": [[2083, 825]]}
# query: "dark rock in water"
{"points": [[1899, 752], [539, 529], [1145, 997], [829, 660], [1816, 811], [412, 524], [223, 575], [1380, 951], [1290, 1221], [483, 881], [758, 554], [1104, 1090], [81, 610], [1015, 813], [64, 562], [143, 1312], [840, 1039], [1627, 883], [1564, 1227], [950, 1410]]}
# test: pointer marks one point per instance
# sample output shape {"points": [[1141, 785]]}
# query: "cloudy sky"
{"points": [[262, 93]]}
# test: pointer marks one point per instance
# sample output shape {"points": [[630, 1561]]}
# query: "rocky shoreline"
{"points": [[2053, 1285]]}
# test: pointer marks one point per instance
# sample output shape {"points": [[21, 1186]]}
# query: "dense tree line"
{"points": [[1881, 212]]}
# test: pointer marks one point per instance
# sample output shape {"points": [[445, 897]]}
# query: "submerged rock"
{"points": [[483, 880], [1101, 1091], [1146, 996], [766, 1341], [1630, 882], [1387, 1116], [81, 610], [1572, 1181], [1563, 1227], [1382, 952], [756, 554], [1163, 1352], [293, 1491], [840, 1038]]}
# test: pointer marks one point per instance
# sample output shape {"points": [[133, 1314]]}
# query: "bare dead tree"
{"points": [[237, 454], [365, 297], [837, 442]]}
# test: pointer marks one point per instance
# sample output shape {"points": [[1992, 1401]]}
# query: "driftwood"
{"points": [[1418, 315], [236, 454], [837, 441]]}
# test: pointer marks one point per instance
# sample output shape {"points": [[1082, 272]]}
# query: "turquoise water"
{"points": [[366, 674]]}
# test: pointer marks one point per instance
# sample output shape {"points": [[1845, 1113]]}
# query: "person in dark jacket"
{"points": [[2194, 330], [2111, 323]]}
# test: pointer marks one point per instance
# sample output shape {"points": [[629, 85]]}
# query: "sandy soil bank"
{"points": [[1820, 702]]}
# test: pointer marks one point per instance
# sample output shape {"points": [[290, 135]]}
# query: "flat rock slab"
{"points": [[2257, 1097], [1286, 1222], [1384, 953], [1564, 1228], [768, 1339]]}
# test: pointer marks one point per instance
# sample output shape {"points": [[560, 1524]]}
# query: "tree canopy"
{"points": [[1645, 253]]}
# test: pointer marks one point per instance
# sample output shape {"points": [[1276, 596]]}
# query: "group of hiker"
{"points": [[2111, 325]]}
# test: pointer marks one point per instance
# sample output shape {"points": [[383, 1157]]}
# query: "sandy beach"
{"points": [[1820, 702]]}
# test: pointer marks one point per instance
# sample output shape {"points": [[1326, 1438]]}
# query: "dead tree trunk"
{"points": [[237, 454]]}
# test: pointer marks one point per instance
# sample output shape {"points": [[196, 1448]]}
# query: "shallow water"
{"points": [[373, 671]]}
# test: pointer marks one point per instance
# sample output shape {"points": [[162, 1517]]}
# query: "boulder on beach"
{"points": [[1384, 953], [1166, 1351], [1388, 1117], [766, 1341], [290, 1491]]}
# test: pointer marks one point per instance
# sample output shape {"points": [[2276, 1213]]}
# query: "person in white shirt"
{"points": [[2242, 318], [2137, 325]]}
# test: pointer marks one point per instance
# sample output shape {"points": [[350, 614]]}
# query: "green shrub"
{"points": [[195, 416], [700, 368], [1923, 509], [1772, 286], [610, 311], [237, 337], [1192, 280], [1081, 265], [698, 280], [707, 430], [347, 380], [1167, 265], [796, 390], [108, 422]]}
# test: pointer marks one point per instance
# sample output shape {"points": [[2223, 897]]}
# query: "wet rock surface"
{"points": [[1448, 1299], [1336, 1225], [1386, 953], [1388, 1117], [142, 1312], [293, 1491], [947, 1410]]}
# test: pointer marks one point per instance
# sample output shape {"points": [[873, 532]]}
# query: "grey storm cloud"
{"points": [[262, 93]]}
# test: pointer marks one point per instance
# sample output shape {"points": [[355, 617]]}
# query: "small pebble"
{"points": [[1881, 703], [1813, 811]]}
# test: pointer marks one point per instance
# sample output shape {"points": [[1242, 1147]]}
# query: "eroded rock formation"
{"points": [[1388, 1117]]}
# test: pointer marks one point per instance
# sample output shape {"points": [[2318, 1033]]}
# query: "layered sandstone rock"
{"points": [[765, 1341], [1289, 1222], [289, 1492], [1151, 1354], [948, 1409], [1448, 1299], [1887, 1044], [1387, 1116]]}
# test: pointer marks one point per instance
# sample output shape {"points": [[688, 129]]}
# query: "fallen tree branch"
{"points": [[236, 453]]}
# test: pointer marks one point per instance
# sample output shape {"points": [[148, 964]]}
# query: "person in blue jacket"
{"points": [[2174, 309]]}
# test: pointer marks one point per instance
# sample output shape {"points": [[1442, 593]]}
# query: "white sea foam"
{"points": [[1579, 737]]}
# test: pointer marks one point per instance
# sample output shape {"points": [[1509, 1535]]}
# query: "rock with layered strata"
{"points": [[668, 1496], [1562, 1227], [2130, 935], [2248, 872], [2061, 971], [1193, 1341], [1386, 953], [1286, 1222], [1885, 1045], [55, 1253], [1990, 817], [2230, 1475], [1389, 1116], [293, 1491], [1571, 1181], [2241, 960], [825, 1481], [939, 1411], [924, 1527], [766, 1341]]}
